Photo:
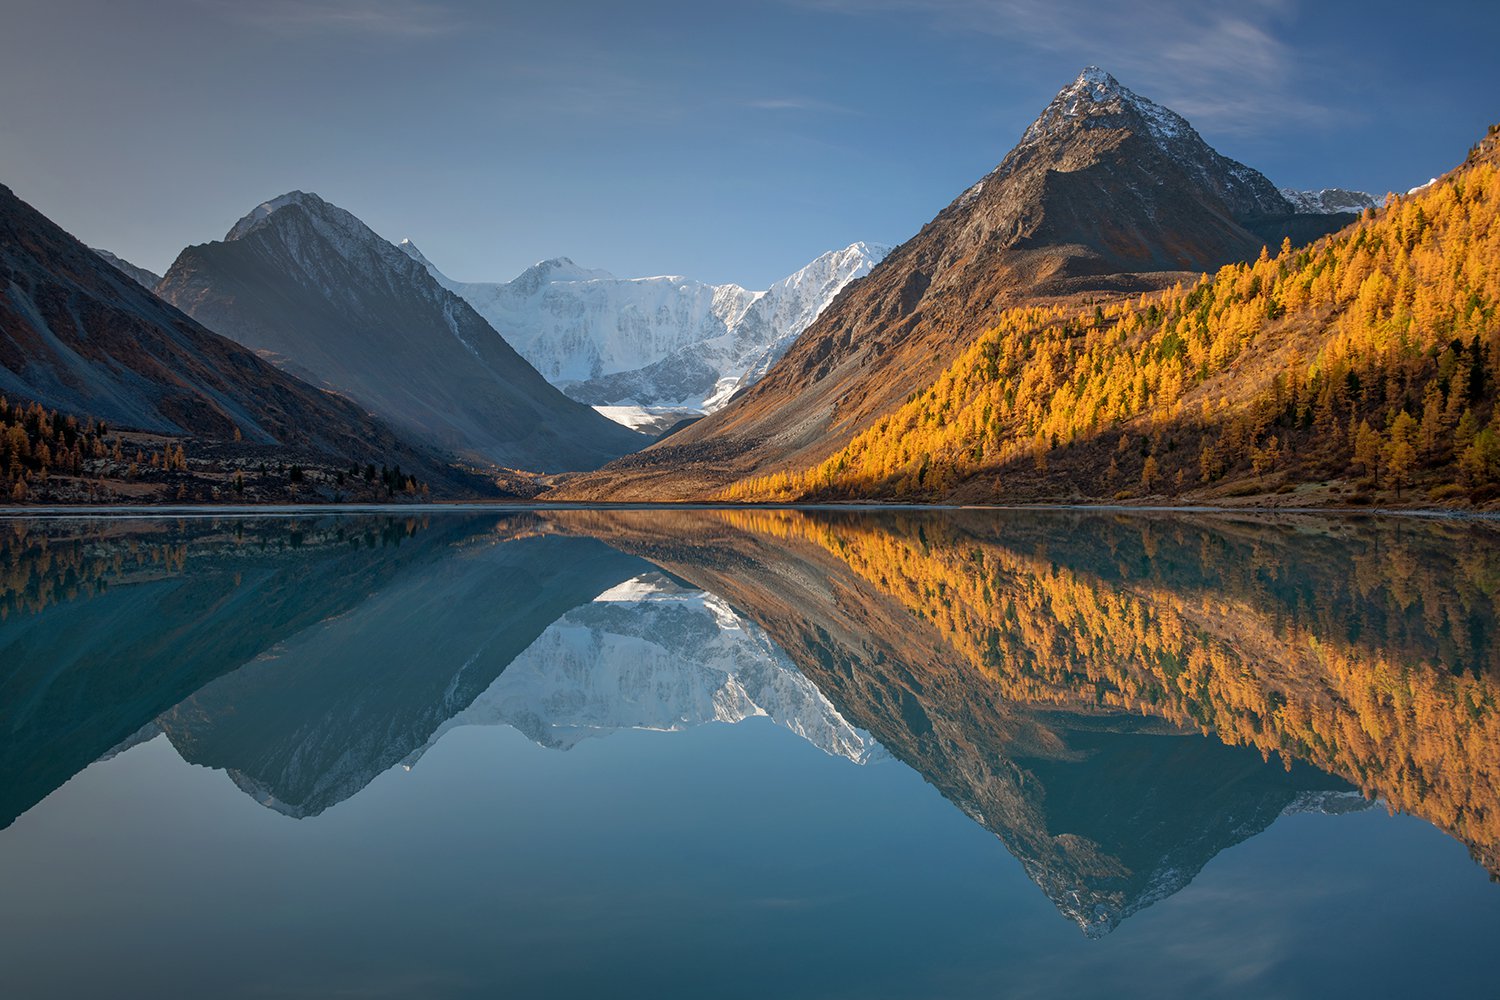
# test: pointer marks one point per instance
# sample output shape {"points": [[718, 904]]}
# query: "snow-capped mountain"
{"points": [[651, 654], [311, 286], [1096, 102], [1329, 201], [665, 342], [1106, 192], [143, 277]]}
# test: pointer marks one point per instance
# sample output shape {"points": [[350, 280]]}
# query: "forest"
{"points": [[1365, 364], [49, 456]]}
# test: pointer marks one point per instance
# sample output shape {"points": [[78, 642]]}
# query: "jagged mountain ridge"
{"points": [[1330, 201], [665, 341], [79, 335], [1106, 193], [312, 287]]}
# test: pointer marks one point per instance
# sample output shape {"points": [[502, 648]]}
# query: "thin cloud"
{"points": [[1223, 65], [808, 104], [381, 18]]}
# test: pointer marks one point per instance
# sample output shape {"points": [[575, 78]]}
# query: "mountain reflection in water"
{"points": [[1117, 697]]}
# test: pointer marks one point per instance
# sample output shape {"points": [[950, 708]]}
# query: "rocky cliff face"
{"points": [[1106, 192], [308, 285]]}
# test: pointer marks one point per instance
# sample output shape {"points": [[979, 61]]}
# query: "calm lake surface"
{"points": [[750, 753]]}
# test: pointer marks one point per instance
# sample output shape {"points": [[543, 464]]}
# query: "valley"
{"points": [[1116, 313]]}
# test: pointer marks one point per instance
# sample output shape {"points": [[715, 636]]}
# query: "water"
{"points": [[749, 753]]}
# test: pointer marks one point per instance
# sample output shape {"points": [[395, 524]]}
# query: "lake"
{"points": [[749, 753]]}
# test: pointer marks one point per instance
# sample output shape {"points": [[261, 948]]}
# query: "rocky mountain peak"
{"points": [[329, 298], [260, 213], [1107, 191], [1096, 113], [410, 249], [1097, 100], [544, 272]]}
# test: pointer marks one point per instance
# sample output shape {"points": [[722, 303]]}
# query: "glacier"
{"points": [[666, 346]]}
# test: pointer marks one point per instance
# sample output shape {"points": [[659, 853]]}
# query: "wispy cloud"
{"points": [[383, 18], [1224, 65], [808, 104]]}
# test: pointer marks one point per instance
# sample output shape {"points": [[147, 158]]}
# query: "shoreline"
{"points": [[125, 512]]}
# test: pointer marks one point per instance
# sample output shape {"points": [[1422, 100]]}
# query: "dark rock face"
{"points": [[1105, 193], [310, 286], [80, 336]]}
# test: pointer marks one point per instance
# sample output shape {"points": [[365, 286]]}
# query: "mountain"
{"points": [[143, 277], [1360, 370], [1330, 201], [652, 654], [1106, 192], [314, 289], [664, 342], [79, 336]]}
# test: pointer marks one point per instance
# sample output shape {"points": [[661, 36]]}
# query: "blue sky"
{"points": [[726, 141]]}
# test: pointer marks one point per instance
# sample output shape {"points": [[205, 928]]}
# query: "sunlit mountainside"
{"points": [[1363, 366]]}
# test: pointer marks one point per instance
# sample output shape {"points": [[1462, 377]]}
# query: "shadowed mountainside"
{"points": [[79, 336], [315, 290]]}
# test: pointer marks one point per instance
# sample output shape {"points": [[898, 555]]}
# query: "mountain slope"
{"points": [[663, 341], [315, 289], [79, 336], [1367, 362], [1106, 192], [143, 277]]}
